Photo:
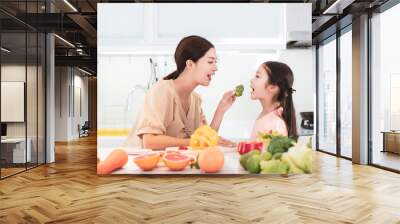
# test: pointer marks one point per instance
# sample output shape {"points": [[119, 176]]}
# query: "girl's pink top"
{"points": [[272, 121]]}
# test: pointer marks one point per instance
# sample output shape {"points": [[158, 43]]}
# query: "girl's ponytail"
{"points": [[281, 75], [289, 114]]}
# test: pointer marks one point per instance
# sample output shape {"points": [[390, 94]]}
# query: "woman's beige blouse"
{"points": [[163, 114]]}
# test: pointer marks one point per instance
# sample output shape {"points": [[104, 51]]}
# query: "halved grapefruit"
{"points": [[148, 161], [176, 161]]}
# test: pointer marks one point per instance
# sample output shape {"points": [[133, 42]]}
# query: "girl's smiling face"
{"points": [[260, 89]]}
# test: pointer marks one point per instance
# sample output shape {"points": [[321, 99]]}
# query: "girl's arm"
{"points": [[151, 141]]}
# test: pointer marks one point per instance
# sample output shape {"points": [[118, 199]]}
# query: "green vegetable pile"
{"points": [[283, 155], [239, 90]]}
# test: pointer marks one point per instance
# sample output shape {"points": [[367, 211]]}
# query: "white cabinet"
{"points": [[121, 20], [130, 28], [240, 25], [120, 26]]}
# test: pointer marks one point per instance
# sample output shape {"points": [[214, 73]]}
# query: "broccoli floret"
{"points": [[279, 144], [239, 90]]}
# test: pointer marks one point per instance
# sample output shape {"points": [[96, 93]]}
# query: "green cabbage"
{"points": [[301, 156], [274, 167], [293, 169]]}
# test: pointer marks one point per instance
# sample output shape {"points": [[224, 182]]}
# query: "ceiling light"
{"points": [[5, 50], [337, 7], [70, 5], [65, 41], [84, 71]]}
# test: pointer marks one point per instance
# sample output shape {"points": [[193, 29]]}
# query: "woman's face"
{"points": [[205, 67], [258, 84]]}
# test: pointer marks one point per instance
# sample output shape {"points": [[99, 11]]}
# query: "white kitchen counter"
{"points": [[231, 163]]}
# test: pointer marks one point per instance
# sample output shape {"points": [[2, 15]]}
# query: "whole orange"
{"points": [[211, 160]]}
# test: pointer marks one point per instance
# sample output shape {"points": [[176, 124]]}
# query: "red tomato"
{"points": [[245, 147], [248, 146], [183, 148], [258, 145], [240, 148]]}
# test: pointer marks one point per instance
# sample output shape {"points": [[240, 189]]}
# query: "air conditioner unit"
{"points": [[298, 32], [298, 39]]}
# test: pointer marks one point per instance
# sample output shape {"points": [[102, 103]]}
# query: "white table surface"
{"points": [[13, 140], [19, 149], [231, 163]]}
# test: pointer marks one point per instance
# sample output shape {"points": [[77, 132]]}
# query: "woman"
{"points": [[172, 110]]}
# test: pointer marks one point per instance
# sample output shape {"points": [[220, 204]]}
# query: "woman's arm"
{"points": [[151, 141], [226, 102], [217, 119]]}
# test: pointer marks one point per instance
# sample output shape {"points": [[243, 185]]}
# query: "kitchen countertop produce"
{"points": [[203, 137], [226, 163], [115, 160], [283, 155], [211, 160]]}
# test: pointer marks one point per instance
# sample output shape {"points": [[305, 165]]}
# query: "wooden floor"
{"points": [[10, 171], [69, 191], [5, 172], [387, 159]]}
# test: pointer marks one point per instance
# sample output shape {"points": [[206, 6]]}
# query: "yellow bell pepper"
{"points": [[204, 137]]}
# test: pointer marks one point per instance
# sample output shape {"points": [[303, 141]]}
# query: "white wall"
{"points": [[67, 115], [61, 103], [120, 74], [79, 117]]}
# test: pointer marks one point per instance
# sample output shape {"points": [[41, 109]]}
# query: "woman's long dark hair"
{"points": [[281, 75], [189, 48]]}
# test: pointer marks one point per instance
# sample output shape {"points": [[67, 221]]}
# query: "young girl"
{"points": [[272, 86]]}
